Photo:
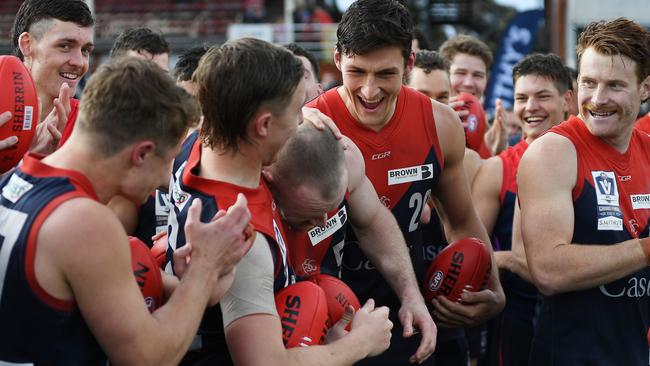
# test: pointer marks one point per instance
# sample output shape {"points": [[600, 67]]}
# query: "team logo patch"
{"points": [[410, 174], [436, 280], [640, 201], [606, 189], [309, 266], [333, 224], [16, 188], [472, 123]]}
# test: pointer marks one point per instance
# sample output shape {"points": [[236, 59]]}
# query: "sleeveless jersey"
{"points": [[606, 325], [186, 185], [72, 120], [403, 162], [643, 123], [320, 250], [35, 327]]}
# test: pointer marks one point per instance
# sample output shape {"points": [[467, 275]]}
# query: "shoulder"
{"points": [[354, 163], [550, 157]]}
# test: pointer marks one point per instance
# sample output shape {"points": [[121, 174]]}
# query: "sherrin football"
{"points": [[147, 274], [476, 124], [463, 262], [18, 97], [303, 313], [337, 294]]}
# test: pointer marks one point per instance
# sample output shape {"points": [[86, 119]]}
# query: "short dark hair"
{"points": [[299, 51], [139, 39], [430, 61], [618, 37], [573, 76], [548, 65], [423, 42], [235, 80], [306, 149], [115, 114], [35, 11], [187, 63], [369, 25], [464, 43]]}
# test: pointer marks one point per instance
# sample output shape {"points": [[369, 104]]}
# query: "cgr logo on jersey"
{"points": [[333, 224], [410, 174], [640, 201], [16, 188]]}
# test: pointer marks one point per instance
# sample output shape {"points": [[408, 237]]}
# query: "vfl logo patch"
{"points": [[333, 224], [410, 174], [640, 201], [16, 188], [606, 189]]}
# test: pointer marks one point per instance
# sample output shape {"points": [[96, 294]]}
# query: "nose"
{"points": [[76, 58], [320, 222], [531, 104], [599, 97], [369, 88]]}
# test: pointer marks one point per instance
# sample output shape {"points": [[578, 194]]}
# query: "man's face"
{"points": [[468, 74], [312, 86], [609, 94], [60, 55], [538, 105], [303, 208], [371, 84], [435, 84], [284, 124], [161, 59]]}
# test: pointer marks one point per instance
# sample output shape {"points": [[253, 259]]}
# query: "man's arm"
{"points": [[382, 242], [486, 189], [96, 273], [254, 331], [547, 176], [452, 197]]}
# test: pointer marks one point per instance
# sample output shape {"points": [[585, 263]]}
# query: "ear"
{"points": [[567, 99], [409, 63], [141, 151], [337, 59], [25, 43], [262, 123], [319, 87], [645, 89]]}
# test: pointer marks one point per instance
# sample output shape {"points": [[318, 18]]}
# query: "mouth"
{"points": [[370, 105], [534, 120], [601, 114], [69, 76]]}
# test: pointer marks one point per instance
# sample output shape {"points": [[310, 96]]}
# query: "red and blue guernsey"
{"points": [[403, 162], [36, 328], [186, 185], [606, 325], [320, 250]]}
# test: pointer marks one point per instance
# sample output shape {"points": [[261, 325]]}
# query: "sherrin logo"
{"points": [[436, 280], [410, 174]]}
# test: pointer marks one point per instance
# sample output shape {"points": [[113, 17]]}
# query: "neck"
{"points": [[242, 168], [45, 105], [103, 173], [620, 143]]}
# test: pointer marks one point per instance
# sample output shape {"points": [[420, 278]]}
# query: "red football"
{"points": [[463, 262], [159, 250], [337, 294], [18, 97], [303, 312], [476, 124], [147, 274]]}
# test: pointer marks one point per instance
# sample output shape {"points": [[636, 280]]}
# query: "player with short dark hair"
{"points": [[309, 61], [584, 193], [541, 102], [142, 42], [67, 291], [413, 148]]}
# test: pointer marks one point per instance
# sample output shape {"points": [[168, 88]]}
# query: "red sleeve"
{"points": [[72, 119]]}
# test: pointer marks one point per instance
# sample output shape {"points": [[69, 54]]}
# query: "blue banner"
{"points": [[517, 42]]}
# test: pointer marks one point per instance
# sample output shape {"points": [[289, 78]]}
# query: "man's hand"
{"points": [[11, 140], [456, 104], [414, 316], [496, 136], [221, 243], [473, 309], [48, 131], [320, 121], [338, 331], [373, 326]]}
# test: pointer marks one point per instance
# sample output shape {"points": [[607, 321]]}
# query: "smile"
{"points": [[370, 104], [69, 75]]}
